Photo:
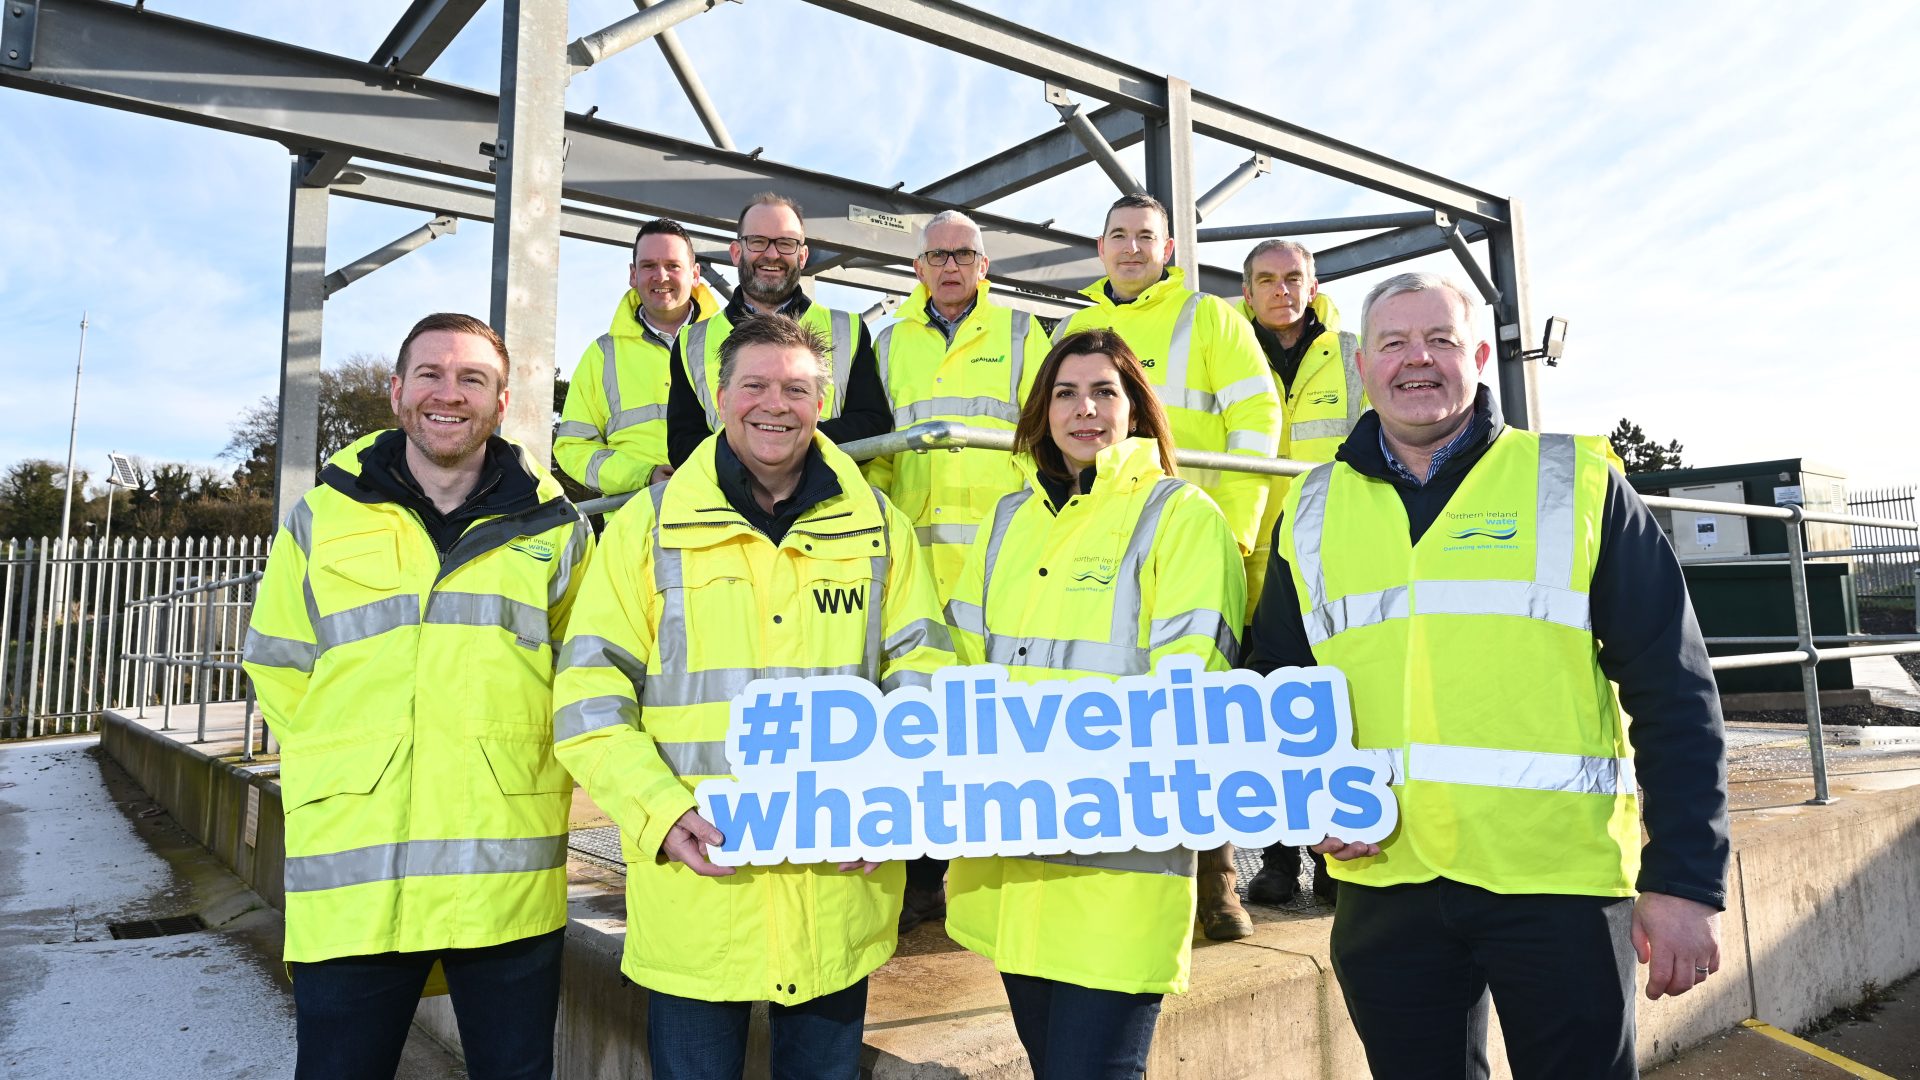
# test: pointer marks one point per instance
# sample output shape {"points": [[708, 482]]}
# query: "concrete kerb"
{"points": [[1818, 908]]}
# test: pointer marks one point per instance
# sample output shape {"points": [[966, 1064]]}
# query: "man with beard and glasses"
{"points": [[769, 250], [402, 648]]}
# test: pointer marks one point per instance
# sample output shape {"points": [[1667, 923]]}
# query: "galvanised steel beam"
{"points": [[1385, 249], [1216, 197], [1035, 161], [392, 252], [1513, 322], [300, 338], [590, 49], [1475, 272], [1357, 223], [1018, 48], [690, 84], [1096, 144], [109, 54], [423, 33]]}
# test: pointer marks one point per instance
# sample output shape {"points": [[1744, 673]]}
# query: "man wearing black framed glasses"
{"points": [[769, 250]]}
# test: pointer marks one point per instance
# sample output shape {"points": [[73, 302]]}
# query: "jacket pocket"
{"points": [[525, 766], [367, 559], [354, 769]]}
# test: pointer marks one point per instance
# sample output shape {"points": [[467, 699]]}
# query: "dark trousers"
{"points": [[927, 874], [351, 1013], [688, 1039], [1417, 964], [1077, 1033]]}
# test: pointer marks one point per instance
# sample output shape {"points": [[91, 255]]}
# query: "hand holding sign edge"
{"points": [[687, 842]]}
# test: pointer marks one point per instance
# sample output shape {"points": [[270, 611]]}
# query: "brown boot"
{"points": [[1221, 916]]}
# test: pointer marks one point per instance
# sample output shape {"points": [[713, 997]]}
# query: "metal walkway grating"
{"points": [[600, 846], [153, 928]]}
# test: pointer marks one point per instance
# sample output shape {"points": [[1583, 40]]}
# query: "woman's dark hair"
{"points": [[1149, 419]]}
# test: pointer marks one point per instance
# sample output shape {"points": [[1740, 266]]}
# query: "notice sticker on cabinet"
{"points": [[1788, 493], [1705, 531]]}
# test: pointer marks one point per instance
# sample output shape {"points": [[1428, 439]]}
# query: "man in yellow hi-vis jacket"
{"points": [[613, 430], [1204, 364], [402, 649], [766, 554]]}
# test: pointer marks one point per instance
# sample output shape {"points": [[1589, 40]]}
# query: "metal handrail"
{"points": [[204, 662]]}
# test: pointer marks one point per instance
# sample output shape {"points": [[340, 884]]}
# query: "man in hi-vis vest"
{"points": [[769, 253], [1485, 590]]}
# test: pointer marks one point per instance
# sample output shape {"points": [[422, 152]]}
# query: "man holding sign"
{"points": [[1485, 589], [765, 555]]}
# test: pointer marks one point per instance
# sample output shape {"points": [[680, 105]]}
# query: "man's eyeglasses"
{"points": [[785, 245], [939, 256]]}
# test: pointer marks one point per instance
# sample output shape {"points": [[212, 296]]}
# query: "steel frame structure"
{"points": [[519, 159]]}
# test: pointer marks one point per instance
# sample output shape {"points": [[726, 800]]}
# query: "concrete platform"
{"points": [[1820, 907]]}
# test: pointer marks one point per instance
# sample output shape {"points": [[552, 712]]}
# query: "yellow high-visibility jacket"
{"points": [[1207, 367], [1318, 411], [700, 355], [1142, 568], [1471, 655], [688, 604], [424, 806], [613, 430], [981, 380]]}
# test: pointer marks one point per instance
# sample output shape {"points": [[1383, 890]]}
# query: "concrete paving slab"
{"points": [[1746, 1053], [82, 847], [1884, 1034]]}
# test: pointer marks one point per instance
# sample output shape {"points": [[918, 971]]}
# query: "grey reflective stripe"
{"points": [[917, 411], [964, 616], [1354, 610], [1258, 442], [1349, 345], [1180, 347], [670, 640], [693, 353], [873, 649], [300, 526], [1017, 332], [1175, 862], [883, 353], [696, 758], [1236, 392], [367, 620], [425, 858], [570, 557], [594, 713], [906, 678], [627, 418], [1554, 514], [269, 651], [1201, 621], [1067, 654], [717, 686], [917, 634], [1528, 769], [1319, 429], [576, 429], [945, 534], [1133, 561], [844, 344], [1521, 599], [609, 372], [524, 621], [1180, 397], [1309, 525], [592, 651], [1003, 512], [599, 458]]}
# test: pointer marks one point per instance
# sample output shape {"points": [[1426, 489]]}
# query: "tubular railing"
{"points": [[212, 618]]}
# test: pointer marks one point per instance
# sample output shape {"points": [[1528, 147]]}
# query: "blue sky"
{"points": [[1718, 196]]}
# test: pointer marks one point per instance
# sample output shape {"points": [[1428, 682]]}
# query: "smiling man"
{"points": [[1486, 590], [769, 253], [765, 553], [402, 649], [1204, 364], [613, 430]]}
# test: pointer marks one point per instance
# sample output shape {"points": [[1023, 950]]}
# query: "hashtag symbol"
{"points": [[771, 730]]}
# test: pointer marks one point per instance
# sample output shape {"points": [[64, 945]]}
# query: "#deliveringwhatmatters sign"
{"points": [[831, 769]]}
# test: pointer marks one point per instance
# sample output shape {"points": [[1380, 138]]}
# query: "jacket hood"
{"points": [[545, 486], [1323, 308], [1174, 284], [626, 317], [914, 307], [694, 511]]}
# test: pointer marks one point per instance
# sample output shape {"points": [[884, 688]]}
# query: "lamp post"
{"points": [[73, 431]]}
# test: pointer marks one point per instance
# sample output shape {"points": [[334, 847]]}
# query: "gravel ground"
{"points": [[1879, 620]]}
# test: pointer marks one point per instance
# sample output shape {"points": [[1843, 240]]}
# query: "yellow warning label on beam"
{"points": [[1851, 1067]]}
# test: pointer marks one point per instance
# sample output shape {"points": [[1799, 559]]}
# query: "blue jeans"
{"points": [[351, 1013], [688, 1039], [1078, 1033]]}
